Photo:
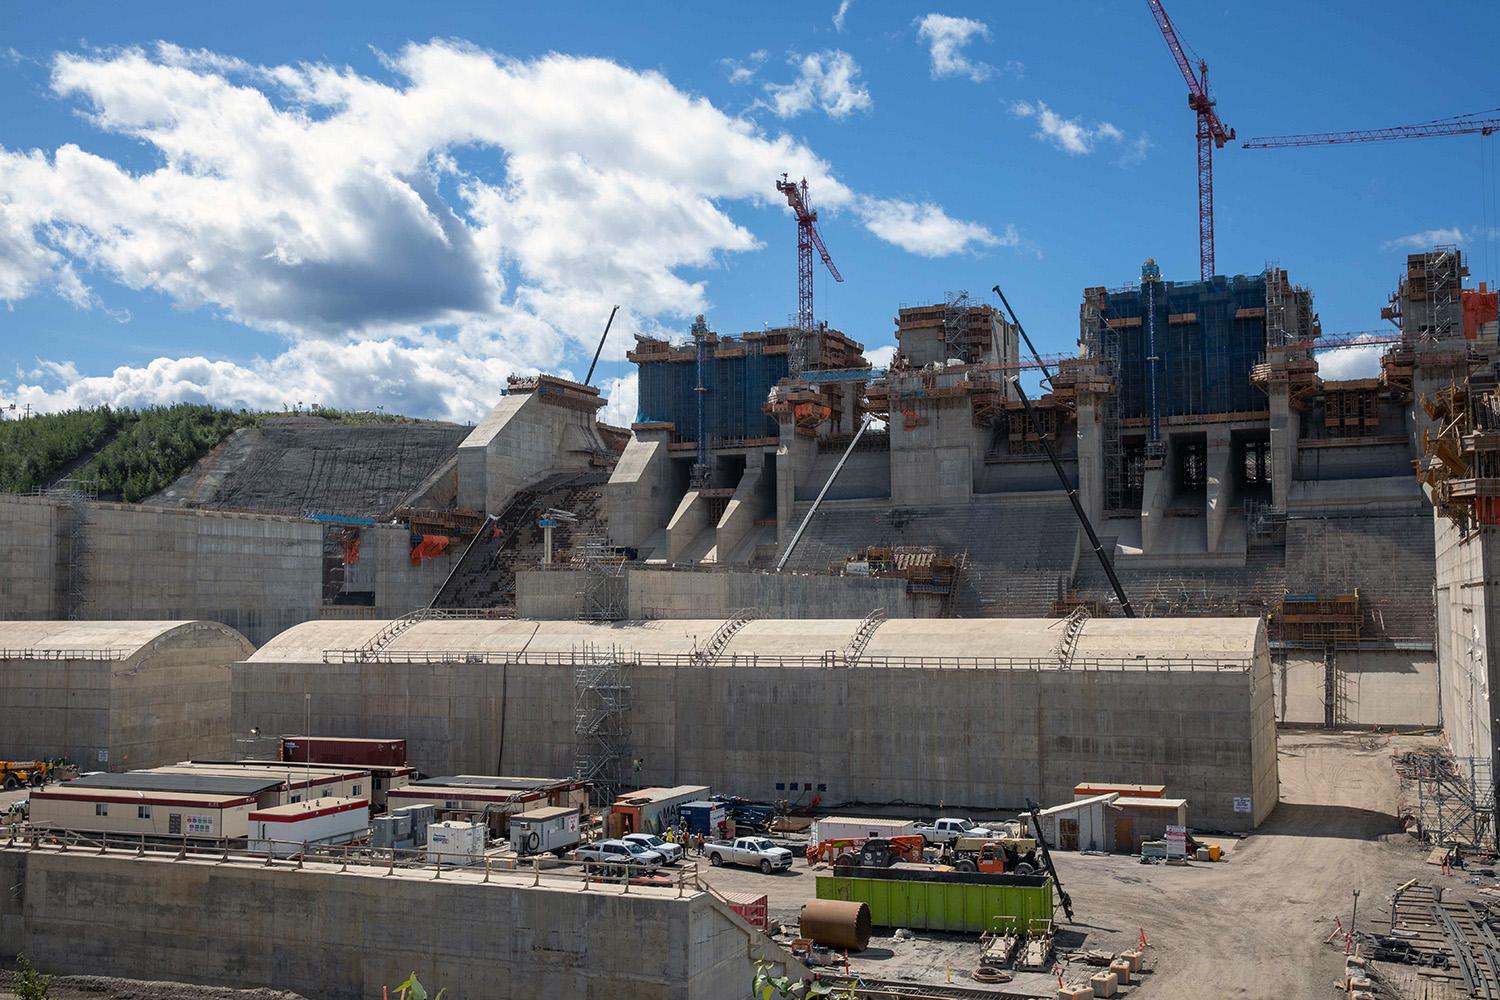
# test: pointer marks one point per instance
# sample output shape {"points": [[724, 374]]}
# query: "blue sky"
{"points": [[392, 205]]}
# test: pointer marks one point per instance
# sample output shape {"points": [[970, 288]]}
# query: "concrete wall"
{"points": [[1467, 608], [976, 737], [520, 441], [553, 594], [30, 536], [168, 701], [343, 936], [1371, 687], [257, 573]]}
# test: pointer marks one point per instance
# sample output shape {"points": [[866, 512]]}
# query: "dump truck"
{"points": [[871, 852], [15, 773]]}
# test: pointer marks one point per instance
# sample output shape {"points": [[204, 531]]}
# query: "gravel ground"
{"points": [[1252, 926], [106, 988]]}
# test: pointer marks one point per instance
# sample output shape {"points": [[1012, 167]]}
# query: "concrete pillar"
{"points": [[1156, 497], [794, 466], [689, 521], [1220, 494], [749, 504], [1090, 458], [1286, 428], [640, 494]]}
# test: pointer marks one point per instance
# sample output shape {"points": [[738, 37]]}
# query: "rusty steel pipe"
{"points": [[835, 923]]}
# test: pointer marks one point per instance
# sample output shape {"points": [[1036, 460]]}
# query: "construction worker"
{"points": [[671, 835], [699, 843]]}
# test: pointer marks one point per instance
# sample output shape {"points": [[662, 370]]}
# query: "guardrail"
{"points": [[830, 659], [386, 861]]}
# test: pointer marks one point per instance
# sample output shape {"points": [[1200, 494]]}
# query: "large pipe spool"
{"points": [[834, 923]]}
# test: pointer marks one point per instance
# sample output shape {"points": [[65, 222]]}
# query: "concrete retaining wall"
{"points": [[1372, 687], [344, 936], [984, 738], [166, 702], [553, 594]]}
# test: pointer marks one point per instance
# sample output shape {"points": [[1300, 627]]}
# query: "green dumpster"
{"points": [[973, 907]]}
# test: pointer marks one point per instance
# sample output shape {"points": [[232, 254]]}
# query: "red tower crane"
{"points": [[808, 237], [1460, 125], [1211, 133]]}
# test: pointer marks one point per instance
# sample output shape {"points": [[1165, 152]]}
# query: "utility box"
{"points": [[418, 818], [550, 828], [703, 817], [455, 843]]}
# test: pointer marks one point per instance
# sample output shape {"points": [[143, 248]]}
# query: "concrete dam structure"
{"points": [[982, 713]]}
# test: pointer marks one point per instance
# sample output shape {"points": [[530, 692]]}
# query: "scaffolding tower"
{"points": [[601, 701], [1451, 798], [601, 592], [75, 495], [1102, 341], [956, 326], [1276, 331], [1442, 280]]}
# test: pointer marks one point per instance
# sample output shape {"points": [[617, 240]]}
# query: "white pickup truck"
{"points": [[752, 852], [950, 828]]}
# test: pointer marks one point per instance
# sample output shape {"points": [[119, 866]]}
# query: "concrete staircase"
{"points": [[486, 576], [1157, 590], [1020, 548], [1387, 556]]}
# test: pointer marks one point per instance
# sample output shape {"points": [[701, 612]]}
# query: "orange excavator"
{"points": [[871, 852]]}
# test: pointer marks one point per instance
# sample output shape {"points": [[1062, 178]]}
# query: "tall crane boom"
{"points": [[808, 238], [1452, 126], [1211, 132]]}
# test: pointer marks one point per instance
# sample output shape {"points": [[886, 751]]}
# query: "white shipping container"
{"points": [[283, 830], [852, 828], [455, 843]]}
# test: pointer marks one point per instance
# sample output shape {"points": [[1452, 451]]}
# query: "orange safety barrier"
{"points": [[428, 547], [351, 549], [1480, 307]]}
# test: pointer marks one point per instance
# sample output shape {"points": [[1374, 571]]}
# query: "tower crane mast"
{"points": [[1211, 133], [808, 239]]}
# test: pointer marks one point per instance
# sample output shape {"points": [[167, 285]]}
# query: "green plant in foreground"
{"points": [[412, 989], [28, 983], [768, 986]]}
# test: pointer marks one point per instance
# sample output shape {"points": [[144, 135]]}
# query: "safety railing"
{"points": [[32, 653], [828, 659], [361, 857]]}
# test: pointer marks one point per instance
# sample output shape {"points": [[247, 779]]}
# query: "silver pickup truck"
{"points": [[751, 852]]}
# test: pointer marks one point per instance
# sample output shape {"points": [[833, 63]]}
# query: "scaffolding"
{"points": [[1102, 341], [1276, 329], [76, 495], [956, 326], [1442, 314], [601, 702], [600, 597], [1452, 799]]}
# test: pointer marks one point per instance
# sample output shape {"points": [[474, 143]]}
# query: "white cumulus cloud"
{"points": [[827, 80], [1428, 238], [1360, 361], [946, 38], [412, 237], [840, 14], [924, 228], [1078, 138]]}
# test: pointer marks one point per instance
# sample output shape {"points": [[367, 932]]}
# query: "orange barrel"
{"points": [[834, 923]]}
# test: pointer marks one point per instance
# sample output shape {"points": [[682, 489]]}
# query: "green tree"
{"points": [[28, 983]]}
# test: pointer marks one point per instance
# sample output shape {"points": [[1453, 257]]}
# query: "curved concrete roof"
{"points": [[123, 638], [1023, 638]]}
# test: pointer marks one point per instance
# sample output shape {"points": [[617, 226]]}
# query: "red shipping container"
{"points": [[753, 908], [343, 750]]}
